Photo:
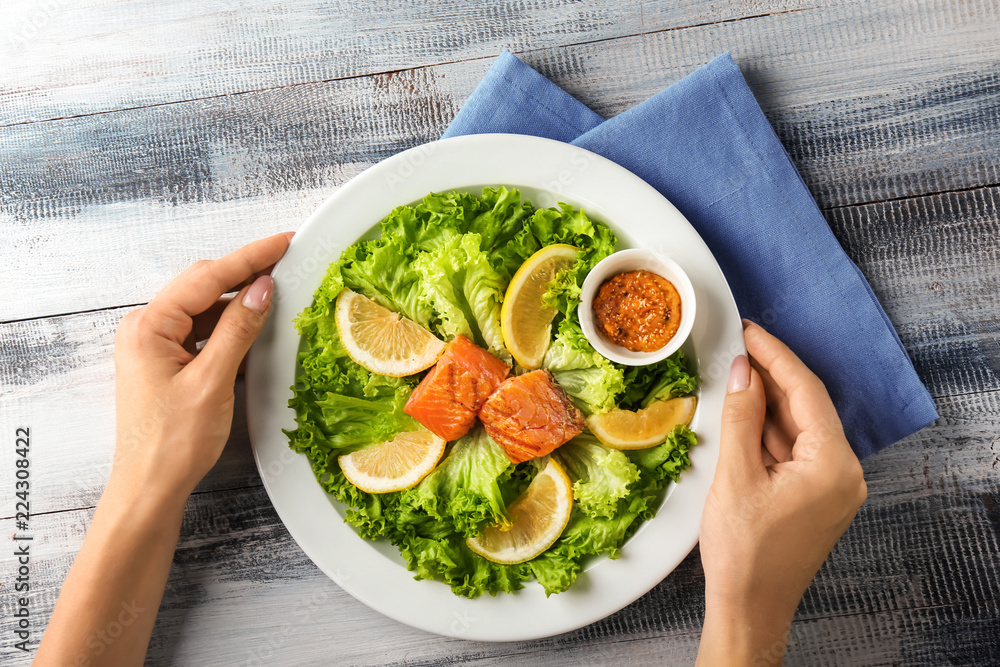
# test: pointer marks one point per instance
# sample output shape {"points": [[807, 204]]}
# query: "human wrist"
{"points": [[745, 629], [127, 494]]}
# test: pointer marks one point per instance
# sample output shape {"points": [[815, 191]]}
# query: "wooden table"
{"points": [[137, 137]]}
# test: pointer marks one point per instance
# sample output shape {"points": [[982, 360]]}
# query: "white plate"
{"points": [[546, 172]]}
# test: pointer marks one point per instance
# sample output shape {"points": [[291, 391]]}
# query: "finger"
{"points": [[766, 457], [808, 401], [778, 408], [237, 329], [742, 421], [776, 440], [201, 285], [203, 324]]}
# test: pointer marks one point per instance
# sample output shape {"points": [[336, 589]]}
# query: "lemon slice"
{"points": [[539, 516], [624, 429], [525, 323], [393, 465], [382, 341]]}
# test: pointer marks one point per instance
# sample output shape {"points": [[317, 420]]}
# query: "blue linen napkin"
{"points": [[705, 145]]}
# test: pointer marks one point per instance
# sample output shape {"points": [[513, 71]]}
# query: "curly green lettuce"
{"points": [[591, 380], [464, 489], [665, 379], [459, 284], [601, 475], [445, 263]]}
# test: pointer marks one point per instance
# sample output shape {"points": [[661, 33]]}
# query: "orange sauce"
{"points": [[639, 310]]}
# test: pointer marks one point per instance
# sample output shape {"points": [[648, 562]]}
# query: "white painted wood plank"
{"points": [[75, 58], [934, 262], [101, 211], [873, 100], [57, 379]]}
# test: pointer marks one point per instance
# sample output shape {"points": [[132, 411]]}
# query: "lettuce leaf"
{"points": [[558, 225], [463, 290], [670, 459], [445, 263], [502, 217], [447, 559], [352, 423], [587, 536], [591, 380], [383, 270], [496, 216], [601, 475], [665, 379], [590, 535], [464, 490], [570, 350], [341, 406]]}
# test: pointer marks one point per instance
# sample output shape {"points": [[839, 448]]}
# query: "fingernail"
{"points": [[739, 375], [259, 294]]}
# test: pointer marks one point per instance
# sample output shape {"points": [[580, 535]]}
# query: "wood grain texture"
{"points": [[57, 377], [870, 99], [93, 57], [199, 126], [199, 178], [912, 582], [934, 263]]}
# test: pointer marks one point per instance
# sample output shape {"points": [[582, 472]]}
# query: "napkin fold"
{"points": [[706, 146]]}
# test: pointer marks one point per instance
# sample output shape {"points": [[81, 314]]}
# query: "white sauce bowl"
{"points": [[636, 259]]}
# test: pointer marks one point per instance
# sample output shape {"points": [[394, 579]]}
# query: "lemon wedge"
{"points": [[382, 341], [624, 429], [394, 465], [526, 325], [539, 516]]}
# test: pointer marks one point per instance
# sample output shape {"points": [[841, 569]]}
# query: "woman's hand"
{"points": [[174, 403], [786, 488], [175, 408]]}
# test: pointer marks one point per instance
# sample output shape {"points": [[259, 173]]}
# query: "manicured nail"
{"points": [[739, 374], [259, 294]]}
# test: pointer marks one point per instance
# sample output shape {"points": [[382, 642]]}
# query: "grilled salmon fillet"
{"points": [[449, 397], [530, 415]]}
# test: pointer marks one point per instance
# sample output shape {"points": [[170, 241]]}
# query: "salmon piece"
{"points": [[448, 399], [530, 415]]}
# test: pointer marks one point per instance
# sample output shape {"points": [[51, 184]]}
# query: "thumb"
{"points": [[742, 420], [236, 330]]}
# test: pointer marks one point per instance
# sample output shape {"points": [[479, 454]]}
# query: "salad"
{"points": [[447, 266]]}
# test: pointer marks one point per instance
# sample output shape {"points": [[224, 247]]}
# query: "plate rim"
{"points": [[397, 173]]}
